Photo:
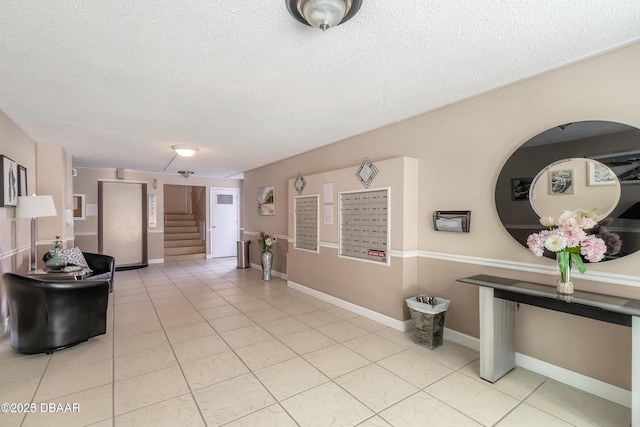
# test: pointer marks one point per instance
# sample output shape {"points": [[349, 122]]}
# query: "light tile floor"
{"points": [[203, 343]]}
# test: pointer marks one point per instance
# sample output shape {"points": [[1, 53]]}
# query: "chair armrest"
{"points": [[100, 263]]}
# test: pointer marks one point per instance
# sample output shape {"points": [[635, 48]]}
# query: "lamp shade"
{"points": [[35, 206], [185, 150], [324, 14]]}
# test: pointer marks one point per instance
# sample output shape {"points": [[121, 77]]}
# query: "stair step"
{"points": [[185, 250], [174, 223], [181, 236], [170, 230], [181, 243], [169, 258], [178, 217]]}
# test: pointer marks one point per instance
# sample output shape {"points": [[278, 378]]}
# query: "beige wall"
{"points": [[460, 151], [368, 284], [47, 173], [87, 183]]}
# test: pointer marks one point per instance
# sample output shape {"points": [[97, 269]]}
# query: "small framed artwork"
{"points": [[79, 206], [22, 181], [267, 200], [561, 181], [600, 174], [9, 181], [520, 188]]}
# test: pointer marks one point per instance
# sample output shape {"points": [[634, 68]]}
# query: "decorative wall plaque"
{"points": [[366, 172], [299, 183]]}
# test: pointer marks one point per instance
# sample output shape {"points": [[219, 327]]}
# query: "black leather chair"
{"points": [[49, 314], [103, 266]]}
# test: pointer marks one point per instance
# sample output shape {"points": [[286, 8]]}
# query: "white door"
{"points": [[224, 222]]}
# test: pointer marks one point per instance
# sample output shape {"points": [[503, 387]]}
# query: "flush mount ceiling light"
{"points": [[323, 14], [186, 174], [184, 150]]}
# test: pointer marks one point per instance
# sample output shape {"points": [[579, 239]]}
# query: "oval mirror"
{"points": [[570, 147], [572, 184]]}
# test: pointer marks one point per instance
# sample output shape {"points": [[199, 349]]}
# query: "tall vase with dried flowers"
{"points": [[266, 241]]}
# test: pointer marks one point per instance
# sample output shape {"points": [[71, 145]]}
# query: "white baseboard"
{"points": [[364, 312], [582, 382], [156, 261], [574, 379], [463, 339]]}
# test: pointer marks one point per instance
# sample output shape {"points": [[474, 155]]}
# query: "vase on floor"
{"points": [[564, 285], [55, 262], [267, 258]]}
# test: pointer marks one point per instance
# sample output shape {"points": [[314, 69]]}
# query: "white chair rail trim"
{"points": [[618, 279]]}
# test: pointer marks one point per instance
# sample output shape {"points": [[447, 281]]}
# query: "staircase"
{"points": [[182, 239]]}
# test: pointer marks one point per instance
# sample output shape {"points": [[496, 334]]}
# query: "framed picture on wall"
{"points": [[600, 174], [561, 181], [78, 206], [520, 188], [9, 180], [22, 181], [267, 200], [625, 164]]}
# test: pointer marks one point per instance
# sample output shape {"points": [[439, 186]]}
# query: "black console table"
{"points": [[498, 296]]}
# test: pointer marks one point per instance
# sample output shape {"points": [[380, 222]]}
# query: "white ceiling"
{"points": [[117, 82]]}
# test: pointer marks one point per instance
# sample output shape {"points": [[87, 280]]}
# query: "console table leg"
{"points": [[497, 331]]}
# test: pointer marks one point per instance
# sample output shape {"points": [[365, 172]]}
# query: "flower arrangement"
{"points": [[266, 241], [576, 234], [57, 244]]}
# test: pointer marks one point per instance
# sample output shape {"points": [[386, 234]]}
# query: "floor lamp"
{"points": [[35, 207]]}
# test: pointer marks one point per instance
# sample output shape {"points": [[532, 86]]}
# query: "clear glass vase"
{"points": [[564, 285]]}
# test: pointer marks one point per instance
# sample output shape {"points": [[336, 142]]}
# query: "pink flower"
{"points": [[535, 242], [573, 235], [593, 248]]}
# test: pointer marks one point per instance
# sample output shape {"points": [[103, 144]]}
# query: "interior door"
{"points": [[122, 224], [224, 222]]}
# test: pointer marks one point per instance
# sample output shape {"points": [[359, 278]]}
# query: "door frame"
{"points": [[236, 192]]}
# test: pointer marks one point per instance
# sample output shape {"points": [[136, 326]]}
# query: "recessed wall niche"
{"points": [[306, 223], [364, 225]]}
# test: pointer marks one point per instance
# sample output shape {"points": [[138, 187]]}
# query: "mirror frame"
{"points": [[608, 142]]}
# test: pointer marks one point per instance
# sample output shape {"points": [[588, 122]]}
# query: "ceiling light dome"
{"points": [[185, 150], [323, 14]]}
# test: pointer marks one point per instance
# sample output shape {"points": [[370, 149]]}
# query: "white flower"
{"points": [[555, 243], [268, 242]]}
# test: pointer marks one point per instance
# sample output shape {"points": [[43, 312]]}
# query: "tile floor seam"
{"points": [[363, 403], [524, 401], [35, 391], [184, 377], [456, 409]]}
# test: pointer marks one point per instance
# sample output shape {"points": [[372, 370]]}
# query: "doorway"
{"points": [[122, 226], [224, 222]]}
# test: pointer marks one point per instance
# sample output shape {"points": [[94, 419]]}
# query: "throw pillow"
{"points": [[74, 256]]}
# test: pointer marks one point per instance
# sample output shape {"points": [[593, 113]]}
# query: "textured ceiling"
{"points": [[117, 82]]}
